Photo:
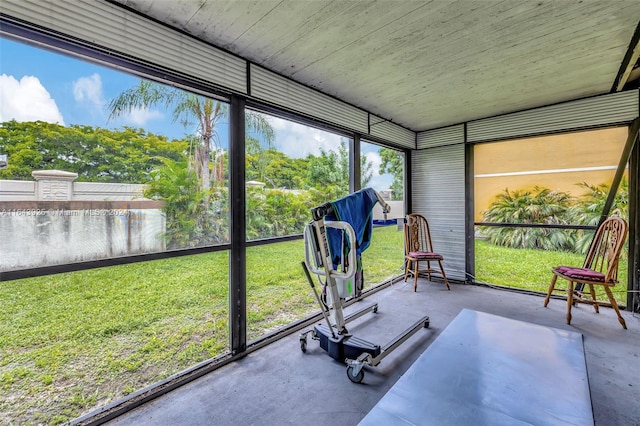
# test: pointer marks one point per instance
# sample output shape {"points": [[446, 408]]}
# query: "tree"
{"points": [[590, 205], [331, 170], [366, 171], [188, 107], [255, 160], [324, 170], [190, 221], [96, 154], [286, 172], [393, 163], [273, 167], [535, 206]]}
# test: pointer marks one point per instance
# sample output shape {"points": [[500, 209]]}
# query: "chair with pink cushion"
{"points": [[419, 248], [600, 269]]}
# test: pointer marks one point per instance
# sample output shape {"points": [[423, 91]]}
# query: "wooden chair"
{"points": [[600, 268], [419, 248]]}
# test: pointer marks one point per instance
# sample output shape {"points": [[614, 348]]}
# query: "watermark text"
{"points": [[63, 212]]}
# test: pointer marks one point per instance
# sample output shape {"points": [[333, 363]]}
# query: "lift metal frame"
{"points": [[334, 337]]}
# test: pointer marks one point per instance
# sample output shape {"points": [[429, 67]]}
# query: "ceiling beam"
{"points": [[629, 61]]}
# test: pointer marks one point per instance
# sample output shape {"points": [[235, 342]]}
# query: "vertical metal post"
{"points": [[355, 181], [469, 211], [622, 165], [633, 296], [615, 184], [237, 228], [408, 200]]}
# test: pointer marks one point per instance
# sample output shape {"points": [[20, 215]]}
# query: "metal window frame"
{"points": [[633, 296], [629, 156], [237, 225], [470, 252]]}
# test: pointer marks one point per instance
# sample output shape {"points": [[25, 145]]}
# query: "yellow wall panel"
{"points": [[548, 161]]}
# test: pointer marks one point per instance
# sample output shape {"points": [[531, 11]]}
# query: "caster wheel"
{"points": [[355, 378], [426, 324], [375, 310], [303, 345]]}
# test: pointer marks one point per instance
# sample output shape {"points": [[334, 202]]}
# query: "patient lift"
{"points": [[332, 252]]}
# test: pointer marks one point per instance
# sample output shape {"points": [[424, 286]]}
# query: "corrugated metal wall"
{"points": [[439, 137], [114, 29], [276, 90], [584, 113], [438, 193], [387, 130]]}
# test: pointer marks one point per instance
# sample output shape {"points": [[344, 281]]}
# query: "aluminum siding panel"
{"points": [[591, 112], [438, 193], [118, 30], [439, 137], [277, 90], [392, 132]]}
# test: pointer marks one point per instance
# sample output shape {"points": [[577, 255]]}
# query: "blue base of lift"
{"points": [[344, 346]]}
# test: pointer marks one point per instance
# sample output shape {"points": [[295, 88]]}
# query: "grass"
{"points": [[278, 292], [531, 269], [70, 343], [75, 341]]}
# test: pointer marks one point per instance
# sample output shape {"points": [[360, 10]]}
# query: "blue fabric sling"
{"points": [[355, 209]]}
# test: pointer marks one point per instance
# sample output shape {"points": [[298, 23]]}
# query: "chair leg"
{"points": [[407, 267], [594, 302], [415, 275], [614, 304], [569, 301], [551, 287], [444, 276]]}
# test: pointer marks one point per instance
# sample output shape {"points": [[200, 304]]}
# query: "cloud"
{"points": [[375, 160], [140, 116], [89, 90], [378, 182], [298, 141], [27, 100]]}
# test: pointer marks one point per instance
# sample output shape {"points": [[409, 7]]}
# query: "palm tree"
{"points": [[591, 205], [188, 107], [536, 206]]}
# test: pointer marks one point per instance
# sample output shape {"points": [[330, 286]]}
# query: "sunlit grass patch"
{"points": [[531, 268]]}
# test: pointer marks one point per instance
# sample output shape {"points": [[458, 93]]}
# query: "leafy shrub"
{"points": [[194, 217], [544, 206], [536, 206], [589, 207], [197, 217], [279, 212]]}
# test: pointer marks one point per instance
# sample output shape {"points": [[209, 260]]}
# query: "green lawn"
{"points": [[278, 292], [531, 269], [70, 343], [74, 341]]}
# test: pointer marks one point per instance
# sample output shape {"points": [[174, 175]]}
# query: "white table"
{"points": [[485, 369]]}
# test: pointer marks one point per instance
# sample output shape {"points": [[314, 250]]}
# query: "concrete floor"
{"points": [[280, 385]]}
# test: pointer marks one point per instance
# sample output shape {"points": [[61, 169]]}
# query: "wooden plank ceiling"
{"points": [[422, 64]]}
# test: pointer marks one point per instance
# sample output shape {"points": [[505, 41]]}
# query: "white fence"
{"points": [[54, 220]]}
